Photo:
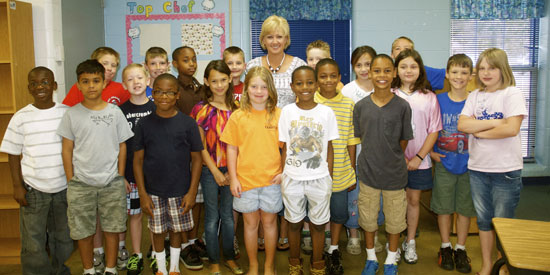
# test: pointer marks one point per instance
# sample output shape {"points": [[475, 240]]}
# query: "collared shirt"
{"points": [[190, 93]]}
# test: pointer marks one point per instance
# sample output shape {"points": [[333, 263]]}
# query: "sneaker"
{"points": [[397, 254], [390, 269], [236, 248], [445, 258], [409, 252], [295, 266], [371, 267], [109, 273], [462, 262], [99, 263], [378, 247], [174, 273], [200, 249], [334, 266], [317, 268], [135, 265], [122, 259], [88, 273], [354, 246], [190, 259], [154, 266]]}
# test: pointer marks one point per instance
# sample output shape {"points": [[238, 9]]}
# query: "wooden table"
{"points": [[526, 245]]}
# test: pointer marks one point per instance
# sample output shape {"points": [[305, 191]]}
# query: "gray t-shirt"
{"points": [[381, 163], [96, 136]]}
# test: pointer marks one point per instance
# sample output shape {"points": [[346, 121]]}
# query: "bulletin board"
{"points": [[132, 27]]}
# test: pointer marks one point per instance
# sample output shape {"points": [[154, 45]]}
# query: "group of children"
{"points": [[354, 157]]}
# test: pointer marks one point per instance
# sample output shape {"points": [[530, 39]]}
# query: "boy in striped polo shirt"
{"points": [[39, 183], [343, 180]]}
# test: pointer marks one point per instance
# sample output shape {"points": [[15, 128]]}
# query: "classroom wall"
{"points": [[48, 37], [83, 32]]}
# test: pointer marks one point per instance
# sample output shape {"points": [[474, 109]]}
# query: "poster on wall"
{"points": [[133, 26]]}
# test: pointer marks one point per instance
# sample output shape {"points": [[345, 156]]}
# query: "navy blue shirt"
{"points": [[168, 143]]}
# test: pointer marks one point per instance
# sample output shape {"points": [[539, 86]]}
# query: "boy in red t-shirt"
{"points": [[234, 58]]}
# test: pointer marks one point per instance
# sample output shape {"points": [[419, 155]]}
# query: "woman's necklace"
{"points": [[278, 67]]}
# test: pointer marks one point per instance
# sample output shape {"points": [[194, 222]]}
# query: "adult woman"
{"points": [[275, 38]]}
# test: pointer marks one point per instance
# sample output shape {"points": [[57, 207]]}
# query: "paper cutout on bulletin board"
{"points": [[154, 35], [201, 36]]}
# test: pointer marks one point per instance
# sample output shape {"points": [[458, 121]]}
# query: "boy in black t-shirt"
{"points": [[167, 143]]}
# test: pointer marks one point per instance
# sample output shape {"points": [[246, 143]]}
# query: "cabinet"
{"points": [[16, 60]]}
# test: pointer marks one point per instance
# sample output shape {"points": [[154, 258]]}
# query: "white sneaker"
{"points": [[122, 259], [378, 247], [306, 245], [397, 255], [409, 250], [354, 246]]}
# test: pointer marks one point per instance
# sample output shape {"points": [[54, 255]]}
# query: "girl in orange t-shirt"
{"points": [[254, 164]]}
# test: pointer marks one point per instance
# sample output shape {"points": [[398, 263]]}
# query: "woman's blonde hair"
{"points": [[272, 24], [265, 75], [496, 58]]}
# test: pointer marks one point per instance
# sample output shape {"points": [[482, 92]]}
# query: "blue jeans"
{"points": [[216, 211], [46, 213], [494, 195]]}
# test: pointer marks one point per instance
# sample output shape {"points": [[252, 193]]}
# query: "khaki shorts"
{"points": [[85, 202], [313, 194], [394, 205]]}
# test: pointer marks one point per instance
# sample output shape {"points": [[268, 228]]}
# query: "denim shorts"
{"points": [[494, 195], [267, 198], [339, 207], [420, 179], [353, 212]]}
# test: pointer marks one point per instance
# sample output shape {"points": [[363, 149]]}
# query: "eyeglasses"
{"points": [[43, 83], [161, 93]]}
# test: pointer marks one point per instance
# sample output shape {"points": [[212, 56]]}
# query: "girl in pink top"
{"points": [[493, 115], [412, 85]]}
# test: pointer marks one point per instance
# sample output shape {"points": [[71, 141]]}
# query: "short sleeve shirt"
{"points": [[306, 134], [426, 119], [259, 158], [381, 163], [167, 145], [495, 155], [31, 133], [133, 114], [97, 135]]}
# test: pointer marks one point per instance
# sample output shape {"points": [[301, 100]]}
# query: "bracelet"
{"points": [[421, 158]]}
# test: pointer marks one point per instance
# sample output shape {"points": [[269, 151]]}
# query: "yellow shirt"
{"points": [[259, 158], [343, 175]]}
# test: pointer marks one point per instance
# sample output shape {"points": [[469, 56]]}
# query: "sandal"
{"points": [[283, 245], [261, 244]]}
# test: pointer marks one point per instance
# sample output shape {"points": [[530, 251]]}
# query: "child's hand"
{"points": [[413, 163], [227, 179], [236, 188], [19, 193], [146, 204], [436, 156], [128, 187], [188, 202], [220, 178], [277, 179], [351, 188]]}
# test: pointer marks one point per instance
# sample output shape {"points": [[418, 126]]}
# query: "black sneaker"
{"points": [[445, 260], [135, 265], [109, 273], [462, 262], [334, 266], [154, 266], [200, 249], [190, 259], [150, 253]]}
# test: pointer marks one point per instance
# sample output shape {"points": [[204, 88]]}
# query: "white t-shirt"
{"points": [[356, 93], [306, 134], [495, 155], [32, 134]]}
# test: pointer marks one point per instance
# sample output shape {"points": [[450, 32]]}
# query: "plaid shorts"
{"points": [[132, 200], [167, 216], [200, 196]]}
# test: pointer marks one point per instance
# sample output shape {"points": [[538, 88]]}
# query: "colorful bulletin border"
{"points": [[133, 18]]}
